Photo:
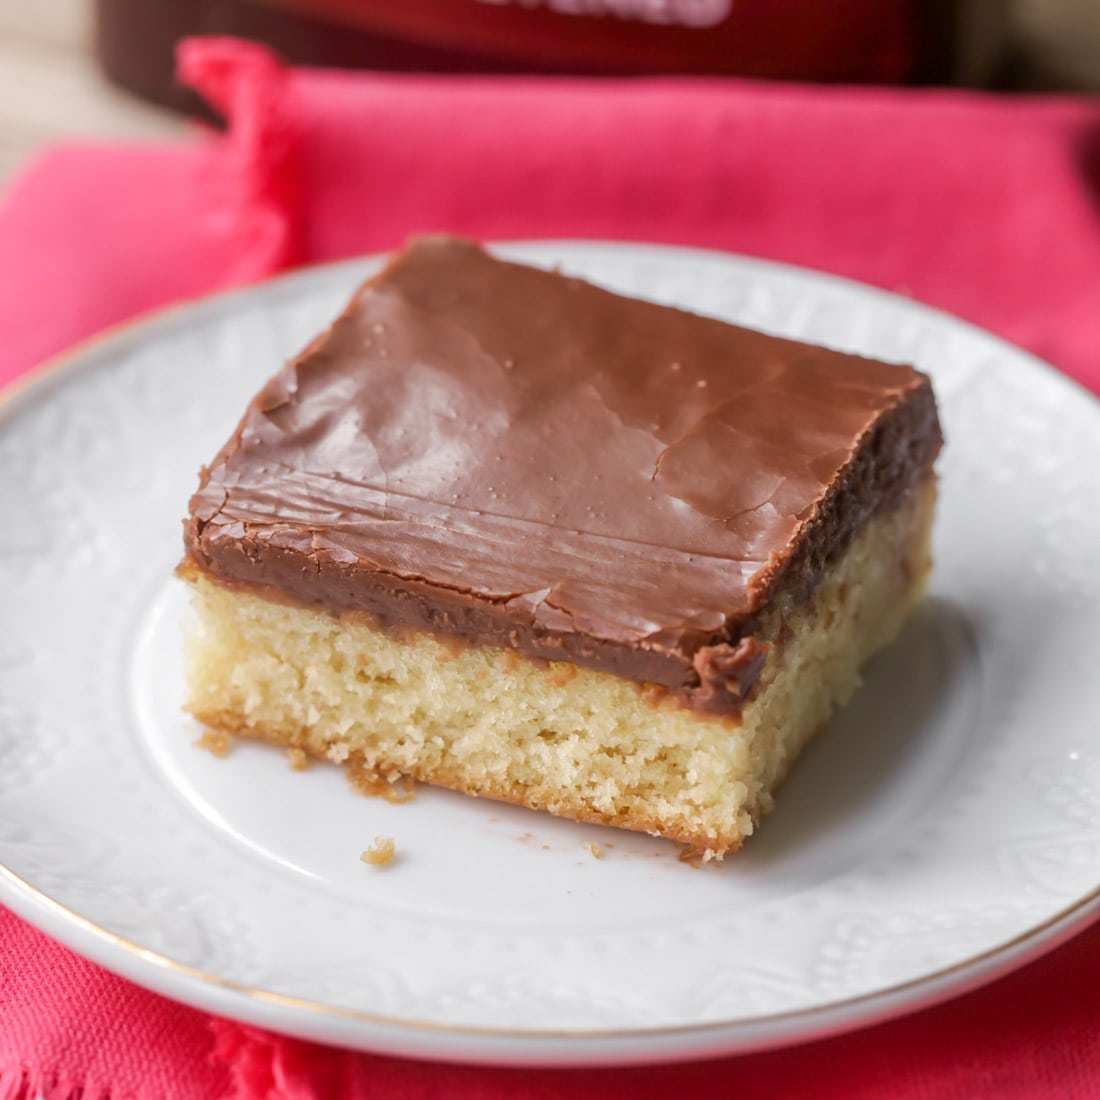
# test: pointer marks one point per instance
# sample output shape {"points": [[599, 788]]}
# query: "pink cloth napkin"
{"points": [[988, 207], [985, 206]]}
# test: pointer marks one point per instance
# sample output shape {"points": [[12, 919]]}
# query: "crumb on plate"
{"points": [[380, 852]]}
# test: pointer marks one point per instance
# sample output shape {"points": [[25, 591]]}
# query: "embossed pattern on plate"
{"points": [[945, 828]]}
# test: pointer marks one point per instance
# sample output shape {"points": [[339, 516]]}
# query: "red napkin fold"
{"points": [[986, 206]]}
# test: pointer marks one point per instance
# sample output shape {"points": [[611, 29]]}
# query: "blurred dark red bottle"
{"points": [[886, 41]]}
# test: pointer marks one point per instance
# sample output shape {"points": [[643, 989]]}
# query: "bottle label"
{"points": [[681, 13]]}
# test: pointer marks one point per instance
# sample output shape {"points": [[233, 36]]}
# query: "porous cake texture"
{"points": [[505, 532]]}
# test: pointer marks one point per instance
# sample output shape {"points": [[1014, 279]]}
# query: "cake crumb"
{"points": [[596, 850], [215, 742], [398, 789], [297, 759], [380, 852]]}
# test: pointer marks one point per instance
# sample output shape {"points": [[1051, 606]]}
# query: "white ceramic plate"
{"points": [[945, 829]]}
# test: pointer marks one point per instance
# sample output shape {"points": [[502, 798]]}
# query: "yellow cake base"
{"points": [[572, 741]]}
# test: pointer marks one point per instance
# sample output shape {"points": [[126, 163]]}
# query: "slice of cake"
{"points": [[503, 531]]}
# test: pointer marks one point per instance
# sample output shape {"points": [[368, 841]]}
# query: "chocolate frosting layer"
{"points": [[517, 457]]}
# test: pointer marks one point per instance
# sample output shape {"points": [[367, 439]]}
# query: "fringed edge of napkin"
{"points": [[22, 1083], [255, 176]]}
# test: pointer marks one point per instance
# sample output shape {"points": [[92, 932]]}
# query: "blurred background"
{"points": [[103, 68]]}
